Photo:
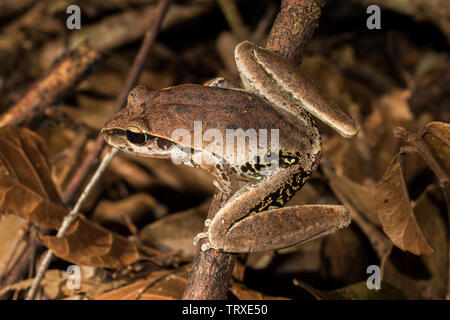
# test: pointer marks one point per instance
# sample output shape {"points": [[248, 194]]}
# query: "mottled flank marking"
{"points": [[255, 169], [280, 197]]}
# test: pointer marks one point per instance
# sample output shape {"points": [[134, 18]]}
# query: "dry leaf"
{"points": [[243, 293], [52, 283], [344, 192], [159, 285], [178, 177], [422, 277], [356, 291], [89, 244], [28, 191], [344, 257], [300, 259], [22, 153], [396, 214], [176, 231], [135, 207], [437, 136], [361, 196], [131, 172]]}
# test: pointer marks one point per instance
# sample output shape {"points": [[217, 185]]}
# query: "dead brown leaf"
{"points": [[362, 197], [28, 192], [437, 136], [134, 206], [243, 293], [345, 192], [131, 172], [356, 291], [89, 244], [52, 284], [159, 285], [396, 214], [23, 155], [425, 276], [176, 231]]}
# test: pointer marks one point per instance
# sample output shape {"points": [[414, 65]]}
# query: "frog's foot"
{"points": [[200, 236], [278, 228], [206, 246]]}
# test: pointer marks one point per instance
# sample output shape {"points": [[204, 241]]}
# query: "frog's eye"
{"points": [[164, 144], [135, 136]]}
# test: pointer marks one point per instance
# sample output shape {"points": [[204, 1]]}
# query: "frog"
{"points": [[276, 95]]}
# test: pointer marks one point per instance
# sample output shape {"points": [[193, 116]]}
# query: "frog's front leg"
{"points": [[252, 220], [284, 85]]}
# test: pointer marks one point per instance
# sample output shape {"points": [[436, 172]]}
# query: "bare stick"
{"points": [[60, 80], [212, 270], [69, 219], [294, 27], [132, 78]]}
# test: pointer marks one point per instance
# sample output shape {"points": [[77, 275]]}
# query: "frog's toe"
{"points": [[206, 246], [200, 236], [223, 187]]}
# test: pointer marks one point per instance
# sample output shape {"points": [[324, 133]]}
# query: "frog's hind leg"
{"points": [[286, 86], [284, 227], [252, 219]]}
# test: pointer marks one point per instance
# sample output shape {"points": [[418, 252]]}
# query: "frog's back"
{"points": [[166, 110]]}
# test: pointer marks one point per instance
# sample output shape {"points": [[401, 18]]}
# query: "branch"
{"points": [[57, 84], [294, 27], [212, 269]]}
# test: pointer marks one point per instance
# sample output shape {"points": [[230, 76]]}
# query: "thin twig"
{"points": [[53, 87], [294, 27], [69, 219], [133, 76]]}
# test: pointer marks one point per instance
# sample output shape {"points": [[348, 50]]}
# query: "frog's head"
{"points": [[130, 131]]}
